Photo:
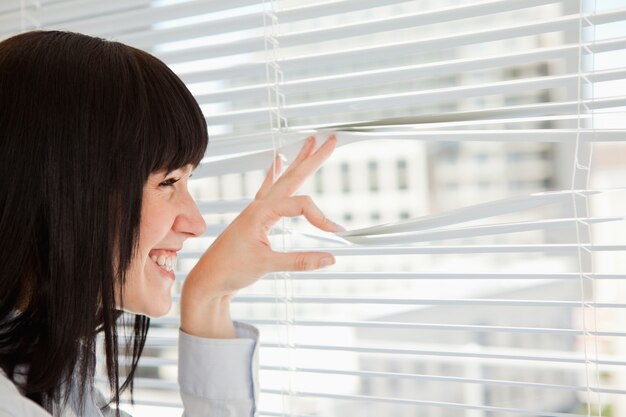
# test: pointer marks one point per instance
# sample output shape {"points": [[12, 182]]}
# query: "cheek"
{"points": [[155, 225], [149, 235]]}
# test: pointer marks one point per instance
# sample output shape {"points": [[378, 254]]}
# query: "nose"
{"points": [[189, 221]]}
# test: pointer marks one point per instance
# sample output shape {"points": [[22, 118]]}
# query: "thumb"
{"points": [[300, 261]]}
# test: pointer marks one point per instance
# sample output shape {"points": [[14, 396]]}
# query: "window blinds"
{"points": [[481, 275]]}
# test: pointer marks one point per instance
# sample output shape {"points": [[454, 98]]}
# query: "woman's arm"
{"points": [[218, 377], [218, 359]]}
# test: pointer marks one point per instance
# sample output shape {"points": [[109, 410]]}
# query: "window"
{"points": [[220, 187], [242, 182], [345, 178], [433, 71], [372, 174], [319, 181], [515, 156], [403, 178], [481, 158]]}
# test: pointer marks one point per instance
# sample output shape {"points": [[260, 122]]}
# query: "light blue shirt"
{"points": [[217, 378]]}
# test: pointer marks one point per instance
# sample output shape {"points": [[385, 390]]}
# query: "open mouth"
{"points": [[164, 259]]}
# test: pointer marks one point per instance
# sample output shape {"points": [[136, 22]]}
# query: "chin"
{"points": [[157, 309], [149, 291], [154, 308]]}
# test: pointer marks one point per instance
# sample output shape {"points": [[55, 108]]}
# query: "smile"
{"points": [[165, 259]]}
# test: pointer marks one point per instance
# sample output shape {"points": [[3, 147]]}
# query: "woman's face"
{"points": [[168, 217]]}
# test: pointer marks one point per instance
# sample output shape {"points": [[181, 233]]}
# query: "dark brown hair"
{"points": [[83, 122]]}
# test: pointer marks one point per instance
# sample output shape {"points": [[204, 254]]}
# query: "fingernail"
{"points": [[340, 227], [282, 157], [324, 262]]}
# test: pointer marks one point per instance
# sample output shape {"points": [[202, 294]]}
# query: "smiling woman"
{"points": [[98, 142]]}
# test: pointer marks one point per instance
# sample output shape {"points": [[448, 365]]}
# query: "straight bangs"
{"points": [[173, 130]]}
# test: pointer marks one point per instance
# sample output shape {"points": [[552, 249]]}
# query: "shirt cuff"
{"points": [[223, 369]]}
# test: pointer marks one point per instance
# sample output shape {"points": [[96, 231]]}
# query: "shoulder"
{"points": [[14, 404]]}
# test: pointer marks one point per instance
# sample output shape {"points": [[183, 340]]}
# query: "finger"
{"points": [[288, 184], [306, 151], [273, 172], [299, 261], [304, 205]]}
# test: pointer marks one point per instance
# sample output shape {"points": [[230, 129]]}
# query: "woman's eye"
{"points": [[169, 182]]}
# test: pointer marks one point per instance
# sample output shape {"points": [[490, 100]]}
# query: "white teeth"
{"points": [[168, 263]]}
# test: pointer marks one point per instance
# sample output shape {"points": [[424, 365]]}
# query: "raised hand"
{"points": [[242, 253]]}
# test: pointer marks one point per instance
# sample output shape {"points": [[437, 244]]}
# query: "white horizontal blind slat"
{"points": [[443, 275], [517, 411], [410, 250], [432, 327], [441, 378]]}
